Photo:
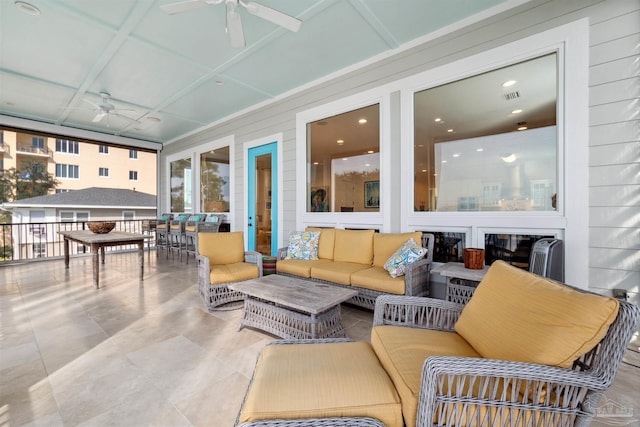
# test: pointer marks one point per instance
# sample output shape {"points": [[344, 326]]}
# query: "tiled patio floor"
{"points": [[132, 354]]}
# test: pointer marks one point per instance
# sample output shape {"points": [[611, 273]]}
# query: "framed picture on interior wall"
{"points": [[372, 194]]}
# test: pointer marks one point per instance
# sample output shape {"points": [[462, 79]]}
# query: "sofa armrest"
{"points": [[204, 270], [416, 278], [282, 253], [416, 312], [474, 386], [253, 257]]}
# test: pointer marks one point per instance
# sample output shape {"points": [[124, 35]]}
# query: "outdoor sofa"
{"points": [[356, 259], [524, 351]]}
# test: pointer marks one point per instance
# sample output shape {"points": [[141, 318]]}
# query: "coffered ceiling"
{"points": [[170, 75]]}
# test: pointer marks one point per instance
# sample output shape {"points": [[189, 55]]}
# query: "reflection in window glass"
{"points": [[180, 183], [214, 180], [512, 248], [343, 169], [447, 246], [488, 142]]}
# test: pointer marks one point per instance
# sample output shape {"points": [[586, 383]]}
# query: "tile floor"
{"points": [[137, 354]]}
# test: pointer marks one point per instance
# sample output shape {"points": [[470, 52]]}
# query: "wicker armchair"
{"points": [[221, 261], [514, 393]]}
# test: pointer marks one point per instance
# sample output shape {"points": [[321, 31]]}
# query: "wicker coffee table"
{"points": [[289, 307]]}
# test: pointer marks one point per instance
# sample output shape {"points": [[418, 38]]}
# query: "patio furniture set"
{"points": [[178, 233], [524, 350]]}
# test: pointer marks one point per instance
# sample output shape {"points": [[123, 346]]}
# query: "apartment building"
{"points": [[81, 164]]}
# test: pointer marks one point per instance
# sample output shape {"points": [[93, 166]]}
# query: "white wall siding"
{"points": [[614, 121], [614, 155]]}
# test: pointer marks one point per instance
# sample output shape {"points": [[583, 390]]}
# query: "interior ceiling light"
{"points": [[370, 152], [340, 142], [437, 120], [27, 8], [456, 155], [516, 111], [509, 83], [523, 128], [362, 121], [479, 149], [449, 130]]}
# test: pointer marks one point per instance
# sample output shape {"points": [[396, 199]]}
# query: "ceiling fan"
{"points": [[234, 22], [105, 109]]}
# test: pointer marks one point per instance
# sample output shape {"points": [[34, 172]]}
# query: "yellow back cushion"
{"points": [[222, 248], [385, 244], [516, 315], [326, 241], [354, 246]]}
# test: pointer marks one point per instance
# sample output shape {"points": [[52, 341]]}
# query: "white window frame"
{"points": [[194, 155], [103, 172], [103, 149], [133, 154], [570, 221], [378, 220]]}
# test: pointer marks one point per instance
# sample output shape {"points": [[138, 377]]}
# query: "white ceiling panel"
{"points": [[165, 66]]}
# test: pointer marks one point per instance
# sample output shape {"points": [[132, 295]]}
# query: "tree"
{"points": [[31, 180]]}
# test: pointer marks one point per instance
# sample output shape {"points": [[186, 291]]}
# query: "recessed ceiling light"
{"points": [[479, 149], [523, 128], [449, 130], [340, 142], [370, 152], [456, 155], [27, 8], [362, 121], [444, 161], [315, 163], [424, 170], [508, 157], [437, 120], [516, 111], [345, 159], [509, 83]]}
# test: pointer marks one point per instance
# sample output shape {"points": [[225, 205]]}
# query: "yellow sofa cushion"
{"points": [[222, 248], [519, 316], [378, 279], [402, 352], [326, 241], [385, 244], [354, 246], [235, 272], [298, 267], [336, 271], [321, 380]]}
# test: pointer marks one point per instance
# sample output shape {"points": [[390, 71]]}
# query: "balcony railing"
{"points": [[35, 151], [40, 240]]}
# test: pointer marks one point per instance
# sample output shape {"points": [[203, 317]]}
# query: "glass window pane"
{"points": [[512, 248], [344, 162], [181, 200], [214, 180], [483, 146]]}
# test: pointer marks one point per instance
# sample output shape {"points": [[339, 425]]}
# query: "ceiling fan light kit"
{"points": [[234, 20]]}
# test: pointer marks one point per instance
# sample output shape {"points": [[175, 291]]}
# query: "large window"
{"points": [[180, 185], [67, 171], [67, 146], [343, 154], [214, 180], [489, 142]]}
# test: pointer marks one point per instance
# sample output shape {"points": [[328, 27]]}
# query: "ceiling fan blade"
{"points": [[113, 113], [99, 116], [183, 6], [272, 15], [234, 28], [91, 102]]}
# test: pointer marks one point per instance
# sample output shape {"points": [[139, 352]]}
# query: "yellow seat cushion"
{"points": [[190, 228], [222, 248], [298, 267], [402, 352], [378, 279], [519, 316], [326, 241], [336, 272], [293, 381], [385, 244], [354, 246], [235, 272]]}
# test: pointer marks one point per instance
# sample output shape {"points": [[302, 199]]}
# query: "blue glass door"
{"points": [[262, 199]]}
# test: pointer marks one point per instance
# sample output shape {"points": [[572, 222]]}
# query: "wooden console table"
{"points": [[98, 242], [461, 281]]}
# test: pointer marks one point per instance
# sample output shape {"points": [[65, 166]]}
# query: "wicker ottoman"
{"points": [[320, 382]]}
